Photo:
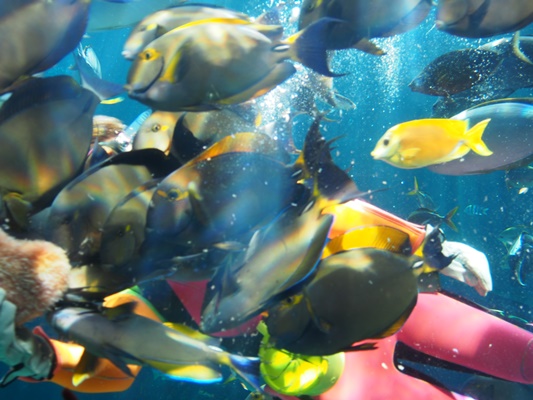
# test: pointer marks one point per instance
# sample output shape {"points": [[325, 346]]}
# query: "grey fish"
{"points": [[59, 24], [124, 337], [520, 257]]}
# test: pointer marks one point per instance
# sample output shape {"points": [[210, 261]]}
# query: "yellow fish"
{"points": [[423, 142]]}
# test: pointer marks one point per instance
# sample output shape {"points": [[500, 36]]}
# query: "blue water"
{"points": [[378, 86]]}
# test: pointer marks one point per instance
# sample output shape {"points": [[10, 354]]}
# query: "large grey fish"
{"points": [[45, 130], [356, 294], [38, 34], [124, 337], [239, 62], [482, 18]]}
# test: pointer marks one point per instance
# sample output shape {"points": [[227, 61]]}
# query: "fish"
{"points": [[79, 211], [124, 337], [520, 257], [53, 121], [513, 73], [483, 18], [156, 131], [424, 216], [281, 255], [424, 200], [61, 25], [456, 71], [425, 142], [107, 15], [88, 66], [361, 20], [376, 288], [229, 190], [106, 128], [163, 21], [519, 178], [473, 209], [241, 64], [506, 135]]}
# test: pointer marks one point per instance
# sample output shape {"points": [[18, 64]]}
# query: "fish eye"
{"points": [[156, 128], [386, 142], [173, 194], [148, 54]]}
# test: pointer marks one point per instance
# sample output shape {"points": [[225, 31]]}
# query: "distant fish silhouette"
{"points": [[476, 210]]}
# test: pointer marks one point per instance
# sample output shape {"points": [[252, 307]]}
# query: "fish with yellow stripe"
{"points": [[239, 61]]}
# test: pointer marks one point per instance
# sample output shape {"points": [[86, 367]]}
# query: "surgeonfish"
{"points": [[160, 22], [156, 131], [44, 142], [239, 62], [483, 18], [424, 142], [38, 34], [360, 20], [124, 337], [426, 216], [357, 294]]}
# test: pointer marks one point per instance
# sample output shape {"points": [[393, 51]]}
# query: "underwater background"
{"points": [[379, 88]]}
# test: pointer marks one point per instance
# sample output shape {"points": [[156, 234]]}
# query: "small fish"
{"points": [[106, 128], [124, 337], [473, 209], [88, 67], [424, 199], [483, 18], [163, 76], [425, 142], [520, 257], [424, 216]]}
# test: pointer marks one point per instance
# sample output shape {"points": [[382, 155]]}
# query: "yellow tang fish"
{"points": [[423, 142]]}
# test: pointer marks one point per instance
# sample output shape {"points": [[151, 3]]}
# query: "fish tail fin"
{"points": [[474, 140], [449, 216], [415, 191], [309, 46], [247, 368]]}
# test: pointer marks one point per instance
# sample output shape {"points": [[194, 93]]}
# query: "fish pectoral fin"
{"points": [[361, 347], [409, 154], [369, 47], [86, 368], [194, 373], [192, 333]]}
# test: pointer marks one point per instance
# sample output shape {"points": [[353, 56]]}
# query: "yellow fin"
{"points": [[415, 191], [474, 141], [85, 369], [194, 373], [376, 236], [192, 333]]}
